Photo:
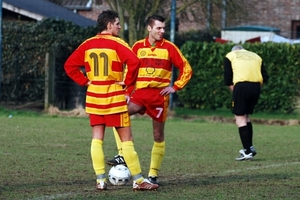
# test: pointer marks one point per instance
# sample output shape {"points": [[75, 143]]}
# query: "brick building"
{"points": [[281, 14]]}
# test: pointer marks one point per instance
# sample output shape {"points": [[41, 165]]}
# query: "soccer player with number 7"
{"points": [[153, 87], [103, 57]]}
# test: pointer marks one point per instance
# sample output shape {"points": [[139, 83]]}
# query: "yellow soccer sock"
{"points": [[98, 157], [131, 159], [101, 180], [157, 154], [118, 142], [139, 180]]}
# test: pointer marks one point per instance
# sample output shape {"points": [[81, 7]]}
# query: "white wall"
{"points": [[242, 36]]}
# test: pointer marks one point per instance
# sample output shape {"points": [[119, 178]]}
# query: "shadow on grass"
{"points": [[189, 180], [213, 180]]}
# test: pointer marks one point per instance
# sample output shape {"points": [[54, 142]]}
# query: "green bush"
{"points": [[25, 45], [207, 89]]}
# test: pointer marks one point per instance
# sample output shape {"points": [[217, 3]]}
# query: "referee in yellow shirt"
{"points": [[244, 73]]}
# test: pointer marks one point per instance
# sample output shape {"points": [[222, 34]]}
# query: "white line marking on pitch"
{"points": [[240, 170], [263, 167], [54, 196]]}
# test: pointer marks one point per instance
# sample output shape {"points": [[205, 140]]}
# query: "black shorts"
{"points": [[245, 96]]}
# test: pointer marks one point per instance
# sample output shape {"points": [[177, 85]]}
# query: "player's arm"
{"points": [[72, 67], [185, 69], [129, 89], [132, 65]]}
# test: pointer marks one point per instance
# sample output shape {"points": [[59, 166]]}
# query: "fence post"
{"points": [[0, 48], [49, 80]]}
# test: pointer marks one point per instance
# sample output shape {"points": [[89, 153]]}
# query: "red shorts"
{"points": [[113, 120], [155, 104]]}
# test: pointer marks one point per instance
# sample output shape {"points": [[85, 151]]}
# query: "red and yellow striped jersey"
{"points": [[103, 57], [156, 65]]}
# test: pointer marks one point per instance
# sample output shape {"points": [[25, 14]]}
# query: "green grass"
{"points": [[227, 113], [44, 157]]}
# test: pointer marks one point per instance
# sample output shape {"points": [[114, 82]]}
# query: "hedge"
{"points": [[206, 90], [26, 44]]}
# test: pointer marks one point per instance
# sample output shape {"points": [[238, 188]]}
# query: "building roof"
{"points": [[40, 9], [76, 4], [253, 28]]}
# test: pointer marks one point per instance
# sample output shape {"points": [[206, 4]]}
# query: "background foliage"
{"points": [[25, 46], [208, 14], [207, 90]]}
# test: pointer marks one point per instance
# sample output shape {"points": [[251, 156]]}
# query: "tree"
{"points": [[134, 13], [209, 15], [133, 18]]}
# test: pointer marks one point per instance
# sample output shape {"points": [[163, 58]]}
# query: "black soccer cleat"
{"points": [[117, 160], [253, 151], [154, 180]]}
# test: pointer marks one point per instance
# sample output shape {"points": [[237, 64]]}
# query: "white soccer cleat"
{"points": [[101, 186], [244, 156]]}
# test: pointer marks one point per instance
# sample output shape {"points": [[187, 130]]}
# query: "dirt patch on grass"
{"points": [[80, 112], [232, 120]]}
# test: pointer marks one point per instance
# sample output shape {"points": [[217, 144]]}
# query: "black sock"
{"points": [[245, 138], [250, 129]]}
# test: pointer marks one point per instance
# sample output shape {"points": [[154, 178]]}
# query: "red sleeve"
{"points": [[73, 64], [133, 63], [185, 69]]}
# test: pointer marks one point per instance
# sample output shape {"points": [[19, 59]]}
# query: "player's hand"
{"points": [[127, 97], [167, 91], [88, 83], [120, 83]]}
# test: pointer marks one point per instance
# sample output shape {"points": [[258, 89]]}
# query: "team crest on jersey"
{"points": [[150, 70], [143, 53]]}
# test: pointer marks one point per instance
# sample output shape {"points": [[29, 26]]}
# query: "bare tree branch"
{"points": [[135, 12]]}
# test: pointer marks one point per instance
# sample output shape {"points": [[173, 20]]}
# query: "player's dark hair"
{"points": [[151, 19], [105, 17]]}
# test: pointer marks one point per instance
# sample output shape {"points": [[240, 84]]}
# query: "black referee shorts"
{"points": [[245, 96]]}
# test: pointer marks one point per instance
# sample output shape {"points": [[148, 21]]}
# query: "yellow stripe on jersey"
{"points": [[106, 100], [153, 53], [104, 89], [105, 94], [109, 111], [154, 73]]}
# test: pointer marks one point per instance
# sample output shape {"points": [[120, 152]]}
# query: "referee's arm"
{"points": [[228, 74], [264, 73]]}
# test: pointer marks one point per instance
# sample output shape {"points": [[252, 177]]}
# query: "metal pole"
{"points": [[0, 47], [172, 39], [224, 14]]}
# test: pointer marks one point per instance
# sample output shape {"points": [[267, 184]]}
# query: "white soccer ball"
{"points": [[119, 175]]}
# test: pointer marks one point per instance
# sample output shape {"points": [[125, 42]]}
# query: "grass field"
{"points": [[44, 157]]}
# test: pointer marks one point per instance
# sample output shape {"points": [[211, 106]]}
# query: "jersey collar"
{"points": [[157, 44]]}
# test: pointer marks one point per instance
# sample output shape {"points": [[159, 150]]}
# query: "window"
{"points": [[98, 2], [295, 29]]}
